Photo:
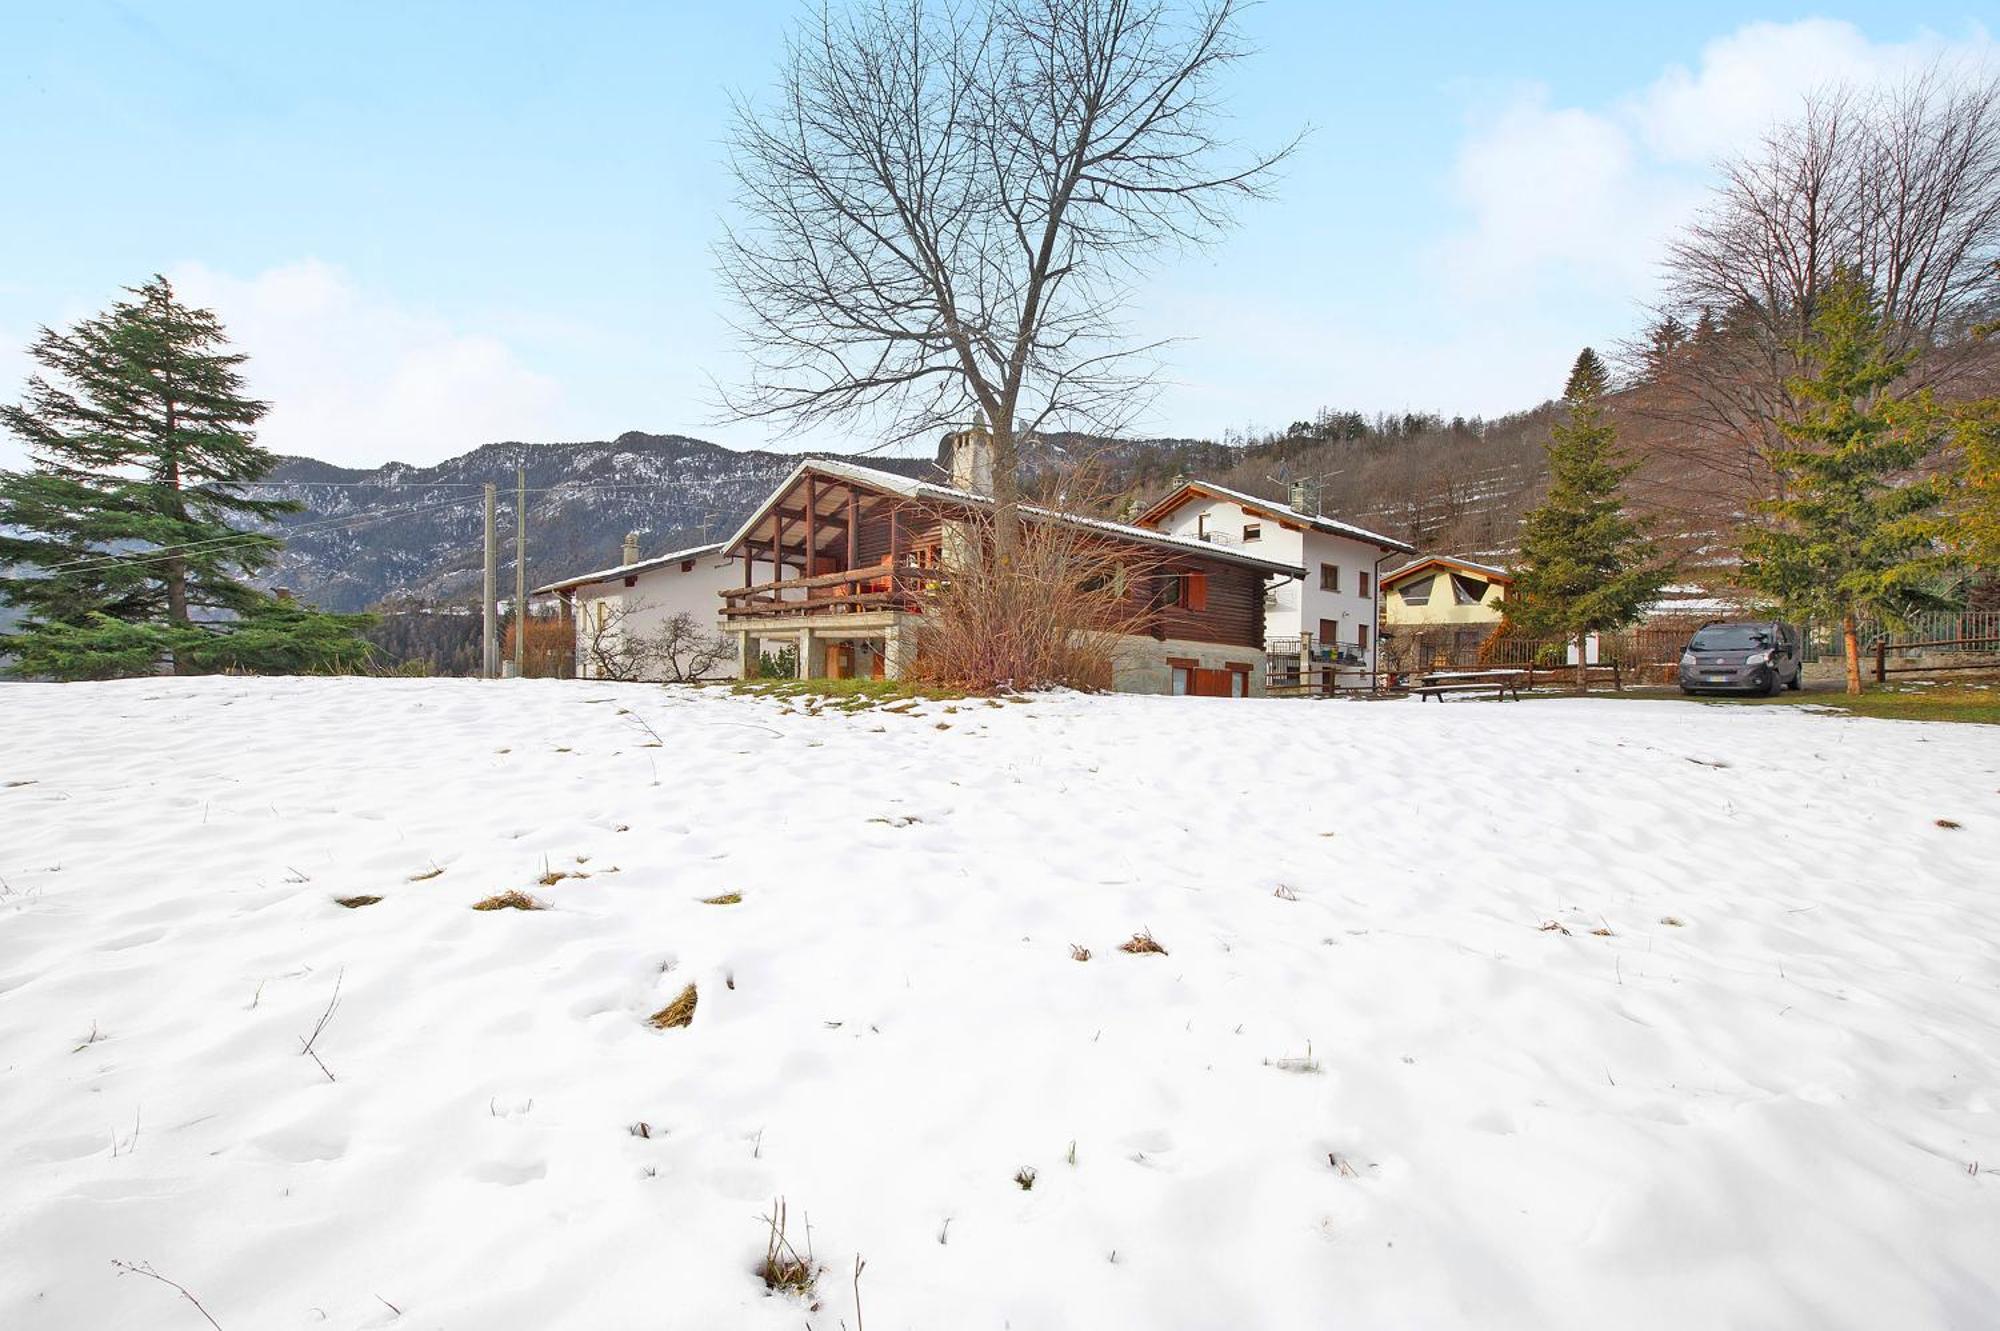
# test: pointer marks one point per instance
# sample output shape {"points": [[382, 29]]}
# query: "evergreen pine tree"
{"points": [[1584, 565], [125, 536], [1853, 533]]}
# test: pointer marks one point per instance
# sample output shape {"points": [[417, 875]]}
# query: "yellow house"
{"points": [[1443, 591]]}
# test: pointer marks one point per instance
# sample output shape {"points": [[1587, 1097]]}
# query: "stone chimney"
{"points": [[631, 548], [969, 455]]}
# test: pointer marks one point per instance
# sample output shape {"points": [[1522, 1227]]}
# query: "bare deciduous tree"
{"points": [[678, 651], [1900, 185], [944, 204]]}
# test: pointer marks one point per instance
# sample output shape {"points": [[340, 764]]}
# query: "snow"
{"points": [[1383, 1096]]}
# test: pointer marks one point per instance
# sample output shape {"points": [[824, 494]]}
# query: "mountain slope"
{"points": [[415, 532]]}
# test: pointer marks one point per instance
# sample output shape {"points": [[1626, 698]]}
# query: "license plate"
{"points": [[1716, 679]]}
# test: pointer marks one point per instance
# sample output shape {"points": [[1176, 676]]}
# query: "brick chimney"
{"points": [[631, 548]]}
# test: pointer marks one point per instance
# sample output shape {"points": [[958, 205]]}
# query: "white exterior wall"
{"points": [[658, 594], [1297, 607]]}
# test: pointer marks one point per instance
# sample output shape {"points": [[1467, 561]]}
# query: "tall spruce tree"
{"points": [[1855, 531], [1584, 564], [126, 535]]}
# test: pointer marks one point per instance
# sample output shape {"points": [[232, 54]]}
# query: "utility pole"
{"points": [[489, 657], [520, 570]]}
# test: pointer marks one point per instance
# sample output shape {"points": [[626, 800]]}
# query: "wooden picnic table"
{"points": [[1438, 683]]}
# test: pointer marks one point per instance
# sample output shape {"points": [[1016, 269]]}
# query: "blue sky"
{"points": [[434, 225]]}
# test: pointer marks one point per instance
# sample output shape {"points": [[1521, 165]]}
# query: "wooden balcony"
{"points": [[854, 591]]}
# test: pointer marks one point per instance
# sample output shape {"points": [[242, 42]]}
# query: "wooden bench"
{"points": [[1499, 687]]}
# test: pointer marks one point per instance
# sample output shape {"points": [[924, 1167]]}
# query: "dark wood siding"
{"points": [[1234, 613]]}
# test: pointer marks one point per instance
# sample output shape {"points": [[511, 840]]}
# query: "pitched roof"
{"points": [[1488, 571], [911, 488], [1273, 509], [628, 570]]}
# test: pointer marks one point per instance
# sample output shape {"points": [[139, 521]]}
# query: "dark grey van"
{"points": [[1762, 656]]}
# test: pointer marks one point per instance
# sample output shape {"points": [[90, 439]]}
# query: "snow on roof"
{"points": [[1470, 565], [627, 570], [1319, 521], [912, 488]]}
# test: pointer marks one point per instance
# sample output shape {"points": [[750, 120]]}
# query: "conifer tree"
{"points": [[126, 535], [1854, 532], [1584, 564]]}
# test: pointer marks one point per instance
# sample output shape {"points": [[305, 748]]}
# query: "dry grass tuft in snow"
{"points": [[725, 899], [355, 903], [784, 1270], [510, 900], [1078, 952], [680, 1012], [1025, 1176], [435, 871], [1142, 942]]}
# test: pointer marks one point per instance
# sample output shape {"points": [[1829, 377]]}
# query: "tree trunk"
{"points": [[1850, 638], [1006, 491], [1582, 663]]}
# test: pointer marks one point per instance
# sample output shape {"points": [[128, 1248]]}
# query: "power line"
{"points": [[246, 540]]}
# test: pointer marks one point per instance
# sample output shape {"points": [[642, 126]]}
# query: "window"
{"points": [[1467, 590], [1416, 593], [1183, 591], [1329, 577], [1363, 631], [1253, 531], [1329, 632], [1361, 585]]}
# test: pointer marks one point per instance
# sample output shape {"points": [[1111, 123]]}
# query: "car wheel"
{"points": [[1776, 686], [1797, 681]]}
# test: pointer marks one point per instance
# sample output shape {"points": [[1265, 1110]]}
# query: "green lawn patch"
{"points": [[847, 695], [1976, 704]]}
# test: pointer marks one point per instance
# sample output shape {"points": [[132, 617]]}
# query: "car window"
{"points": [[1730, 638]]}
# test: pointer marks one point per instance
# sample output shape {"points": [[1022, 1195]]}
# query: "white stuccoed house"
{"points": [[1331, 617], [639, 596]]}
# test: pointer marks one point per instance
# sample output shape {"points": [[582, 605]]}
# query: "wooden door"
{"points": [[1213, 684]]}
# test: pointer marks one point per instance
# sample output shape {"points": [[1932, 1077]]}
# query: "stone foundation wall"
{"points": [[1141, 664]]}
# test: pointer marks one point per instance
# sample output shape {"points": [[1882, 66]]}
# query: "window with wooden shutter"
{"points": [[1329, 577], [1197, 591]]}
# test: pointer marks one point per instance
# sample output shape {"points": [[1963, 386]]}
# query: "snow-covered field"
{"points": [[1752, 1080]]}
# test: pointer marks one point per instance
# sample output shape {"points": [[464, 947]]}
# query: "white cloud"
{"points": [[355, 378], [1582, 198]]}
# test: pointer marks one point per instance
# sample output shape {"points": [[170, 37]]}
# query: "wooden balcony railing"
{"points": [[850, 592]]}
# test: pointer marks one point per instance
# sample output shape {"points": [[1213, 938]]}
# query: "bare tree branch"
{"points": [[944, 205]]}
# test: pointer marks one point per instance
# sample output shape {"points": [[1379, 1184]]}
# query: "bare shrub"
{"points": [[680, 650], [1053, 612], [1141, 943]]}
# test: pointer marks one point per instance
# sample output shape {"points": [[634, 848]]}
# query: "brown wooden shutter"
{"points": [[1197, 591]]}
